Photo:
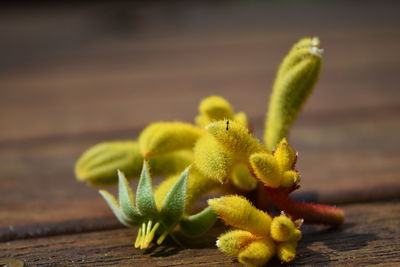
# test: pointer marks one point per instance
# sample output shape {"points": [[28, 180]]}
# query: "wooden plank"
{"points": [[368, 237]]}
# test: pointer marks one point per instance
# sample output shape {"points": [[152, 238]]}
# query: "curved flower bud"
{"points": [[295, 80], [98, 164], [257, 253], [238, 212], [163, 137]]}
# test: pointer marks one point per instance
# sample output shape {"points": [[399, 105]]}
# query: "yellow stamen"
{"points": [[162, 237], [143, 236], [151, 234], [138, 238]]}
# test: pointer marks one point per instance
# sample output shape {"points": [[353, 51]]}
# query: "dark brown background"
{"points": [[72, 75]]}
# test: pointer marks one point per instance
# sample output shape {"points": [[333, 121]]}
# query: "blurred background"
{"points": [[76, 73]]}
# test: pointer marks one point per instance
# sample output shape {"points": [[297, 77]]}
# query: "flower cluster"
{"points": [[259, 237], [221, 152]]}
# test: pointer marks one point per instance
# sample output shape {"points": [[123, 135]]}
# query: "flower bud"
{"points": [[99, 164], [163, 137], [295, 80]]}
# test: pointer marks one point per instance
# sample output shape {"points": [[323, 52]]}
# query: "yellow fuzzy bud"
{"points": [[233, 242], [235, 138], [238, 212], [258, 253], [216, 108], [286, 251], [242, 178], [265, 167], [163, 137], [99, 164], [285, 155], [294, 82], [282, 228], [212, 159], [197, 184]]}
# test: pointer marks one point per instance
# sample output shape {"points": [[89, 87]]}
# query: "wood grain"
{"points": [[368, 237]]}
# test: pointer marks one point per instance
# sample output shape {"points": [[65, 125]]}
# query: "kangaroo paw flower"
{"points": [[259, 237]]}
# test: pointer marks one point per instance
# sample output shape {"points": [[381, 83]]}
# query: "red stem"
{"points": [[311, 213]]}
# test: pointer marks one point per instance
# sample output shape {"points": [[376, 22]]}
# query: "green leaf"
{"points": [[174, 203], [144, 193], [126, 198], [112, 202], [199, 223]]}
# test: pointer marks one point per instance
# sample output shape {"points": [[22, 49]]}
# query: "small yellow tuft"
{"points": [[238, 212], [282, 228], [163, 137], [212, 159], [235, 138], [265, 167], [233, 242], [258, 253]]}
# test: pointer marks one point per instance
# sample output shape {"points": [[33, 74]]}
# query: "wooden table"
{"points": [[71, 76]]}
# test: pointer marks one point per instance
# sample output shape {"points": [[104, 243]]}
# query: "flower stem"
{"points": [[311, 213]]}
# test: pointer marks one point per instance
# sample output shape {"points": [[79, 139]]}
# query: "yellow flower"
{"points": [[259, 237], [276, 169]]}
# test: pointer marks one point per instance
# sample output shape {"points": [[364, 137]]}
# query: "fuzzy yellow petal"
{"points": [[212, 159], [286, 251], [242, 178], [233, 242], [285, 155], [235, 138], [282, 228], [197, 185], [266, 169], [238, 212], [163, 137], [257, 253], [99, 164]]}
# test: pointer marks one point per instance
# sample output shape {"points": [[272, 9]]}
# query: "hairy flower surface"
{"points": [[259, 236]]}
